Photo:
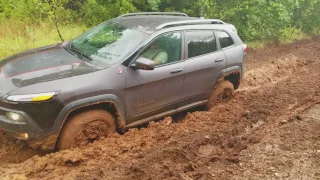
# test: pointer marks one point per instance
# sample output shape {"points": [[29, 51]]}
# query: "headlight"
{"points": [[32, 97], [15, 117]]}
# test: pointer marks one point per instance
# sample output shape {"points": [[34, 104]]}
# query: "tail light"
{"points": [[245, 49]]}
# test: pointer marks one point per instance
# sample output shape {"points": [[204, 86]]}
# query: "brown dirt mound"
{"points": [[15, 151]]}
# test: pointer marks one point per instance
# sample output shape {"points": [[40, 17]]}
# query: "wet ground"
{"points": [[269, 130]]}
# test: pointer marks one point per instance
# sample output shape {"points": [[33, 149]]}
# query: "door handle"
{"points": [[219, 60], [176, 71]]}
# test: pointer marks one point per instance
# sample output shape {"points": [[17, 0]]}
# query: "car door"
{"points": [[203, 65], [150, 92], [234, 53]]}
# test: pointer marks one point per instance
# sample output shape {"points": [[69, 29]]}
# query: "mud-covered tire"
{"points": [[223, 92], [86, 127]]}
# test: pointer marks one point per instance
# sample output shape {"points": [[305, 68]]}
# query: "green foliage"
{"points": [[289, 35], [256, 20], [96, 11]]}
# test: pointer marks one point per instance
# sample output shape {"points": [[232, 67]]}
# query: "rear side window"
{"points": [[200, 42], [224, 39]]}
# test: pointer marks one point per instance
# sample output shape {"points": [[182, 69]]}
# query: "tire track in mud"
{"points": [[289, 151], [206, 145]]}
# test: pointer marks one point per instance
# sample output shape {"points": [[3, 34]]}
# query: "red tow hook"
{"points": [[0, 131]]}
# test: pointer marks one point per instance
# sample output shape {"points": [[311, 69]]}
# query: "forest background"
{"points": [[27, 24]]}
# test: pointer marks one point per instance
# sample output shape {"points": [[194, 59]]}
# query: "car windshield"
{"points": [[108, 43]]}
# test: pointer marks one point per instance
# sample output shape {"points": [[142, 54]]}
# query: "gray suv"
{"points": [[122, 73]]}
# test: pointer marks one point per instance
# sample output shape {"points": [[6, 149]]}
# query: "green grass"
{"points": [[288, 35], [17, 36], [255, 44]]}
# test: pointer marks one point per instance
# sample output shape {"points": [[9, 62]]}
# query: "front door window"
{"points": [[164, 49]]}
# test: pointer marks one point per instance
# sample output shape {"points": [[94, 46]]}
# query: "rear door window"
{"points": [[200, 43], [224, 39]]}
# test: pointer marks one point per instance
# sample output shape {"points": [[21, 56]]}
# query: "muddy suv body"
{"points": [[42, 89]]}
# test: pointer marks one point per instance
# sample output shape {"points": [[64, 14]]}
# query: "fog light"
{"points": [[16, 117], [22, 136]]}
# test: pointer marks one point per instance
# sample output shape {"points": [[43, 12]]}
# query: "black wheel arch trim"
{"points": [[229, 70], [86, 102]]}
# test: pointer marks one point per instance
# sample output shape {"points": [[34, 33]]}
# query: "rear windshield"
{"points": [[108, 42]]}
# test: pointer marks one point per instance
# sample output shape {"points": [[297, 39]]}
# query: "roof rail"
{"points": [[190, 22], [154, 13]]}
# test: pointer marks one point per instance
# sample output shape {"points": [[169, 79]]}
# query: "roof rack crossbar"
{"points": [[154, 13], [206, 21]]}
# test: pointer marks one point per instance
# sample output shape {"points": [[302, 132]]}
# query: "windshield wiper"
{"points": [[83, 56]]}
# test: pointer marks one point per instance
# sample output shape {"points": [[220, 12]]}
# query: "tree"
{"points": [[49, 8]]}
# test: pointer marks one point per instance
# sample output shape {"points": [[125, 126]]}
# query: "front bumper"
{"points": [[38, 119], [12, 128]]}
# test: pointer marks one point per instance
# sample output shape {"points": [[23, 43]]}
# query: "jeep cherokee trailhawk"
{"points": [[124, 72]]}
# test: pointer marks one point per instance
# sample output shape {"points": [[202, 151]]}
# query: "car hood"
{"points": [[40, 65]]}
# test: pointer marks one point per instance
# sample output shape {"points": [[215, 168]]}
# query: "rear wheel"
{"points": [[86, 127], [223, 92]]}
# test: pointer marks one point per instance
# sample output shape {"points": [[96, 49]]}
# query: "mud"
{"points": [[270, 129]]}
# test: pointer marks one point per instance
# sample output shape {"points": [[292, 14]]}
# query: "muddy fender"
{"points": [[108, 98]]}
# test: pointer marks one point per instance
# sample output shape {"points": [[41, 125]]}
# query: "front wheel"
{"points": [[223, 92], [86, 127]]}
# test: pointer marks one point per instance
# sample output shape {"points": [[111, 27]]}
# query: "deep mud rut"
{"points": [[269, 130]]}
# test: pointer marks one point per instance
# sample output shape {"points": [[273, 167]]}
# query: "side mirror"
{"points": [[144, 64]]}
